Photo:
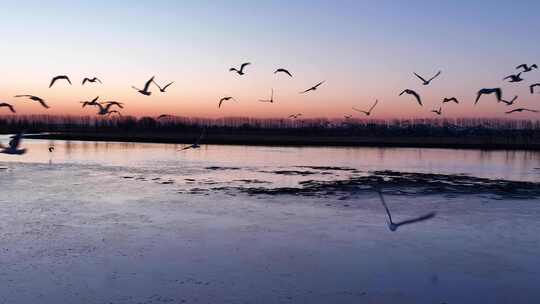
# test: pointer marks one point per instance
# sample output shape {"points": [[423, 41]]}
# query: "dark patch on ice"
{"points": [[128, 177], [251, 181], [292, 172], [216, 168], [403, 183], [328, 168]]}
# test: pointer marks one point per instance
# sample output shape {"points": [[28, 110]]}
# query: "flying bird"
{"points": [[295, 116], [394, 226], [496, 91], [116, 103], [347, 116], [197, 143], [92, 80], [271, 100], [51, 149], [93, 102], [510, 102], [370, 109], [34, 98], [241, 70], [526, 68], [514, 78], [60, 77], [427, 82], [163, 116], [163, 89], [145, 91], [413, 93], [7, 105], [532, 86], [105, 109], [224, 99], [283, 71], [13, 146], [521, 110], [453, 99], [438, 112], [313, 88]]}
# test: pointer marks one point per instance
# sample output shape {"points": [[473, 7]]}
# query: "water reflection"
{"points": [[513, 165]]}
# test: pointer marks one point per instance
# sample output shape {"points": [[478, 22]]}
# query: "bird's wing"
{"points": [[512, 111], [530, 110], [165, 87], [244, 65], [418, 219], [417, 97], [421, 78], [53, 81], [498, 93], [358, 110], [383, 202], [85, 80], [478, 95], [42, 102], [318, 84], [66, 78], [98, 80], [402, 92], [521, 66], [373, 106], [148, 83], [508, 77], [22, 96], [532, 86], [436, 75], [220, 102]]}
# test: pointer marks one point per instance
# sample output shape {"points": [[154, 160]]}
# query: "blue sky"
{"points": [[364, 49]]}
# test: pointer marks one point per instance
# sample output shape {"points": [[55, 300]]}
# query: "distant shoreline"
{"points": [[484, 143]]}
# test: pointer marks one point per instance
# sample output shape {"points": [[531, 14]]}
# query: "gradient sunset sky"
{"points": [[365, 50]]}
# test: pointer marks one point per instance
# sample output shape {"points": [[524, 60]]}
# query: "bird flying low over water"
{"points": [[34, 98], [427, 82], [145, 91], [163, 89], [532, 86], [413, 93], [271, 100], [514, 78], [92, 80], [521, 110], [526, 68], [313, 88], [394, 226], [13, 146], [510, 102], [60, 77], [227, 98], [438, 112], [197, 143], [241, 70], [370, 109], [453, 99], [283, 71], [7, 105], [496, 91]]}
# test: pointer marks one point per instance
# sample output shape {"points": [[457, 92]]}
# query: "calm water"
{"points": [[109, 223]]}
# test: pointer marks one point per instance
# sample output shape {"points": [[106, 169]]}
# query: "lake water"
{"points": [[130, 223]]}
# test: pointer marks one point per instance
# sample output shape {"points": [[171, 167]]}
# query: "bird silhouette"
{"points": [[283, 71], [105, 109], [34, 98], [145, 91], [163, 116], [92, 80], [51, 148], [197, 143], [394, 226], [521, 110], [413, 93], [427, 82], [295, 116], [227, 98], [510, 102], [453, 99], [163, 89], [271, 100], [13, 146], [60, 77], [116, 103], [7, 105], [496, 91], [532, 86], [514, 78], [93, 102], [313, 88], [370, 109], [241, 70], [347, 116], [438, 112], [526, 68]]}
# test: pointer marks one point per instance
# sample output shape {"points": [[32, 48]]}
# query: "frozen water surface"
{"points": [[122, 223]]}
